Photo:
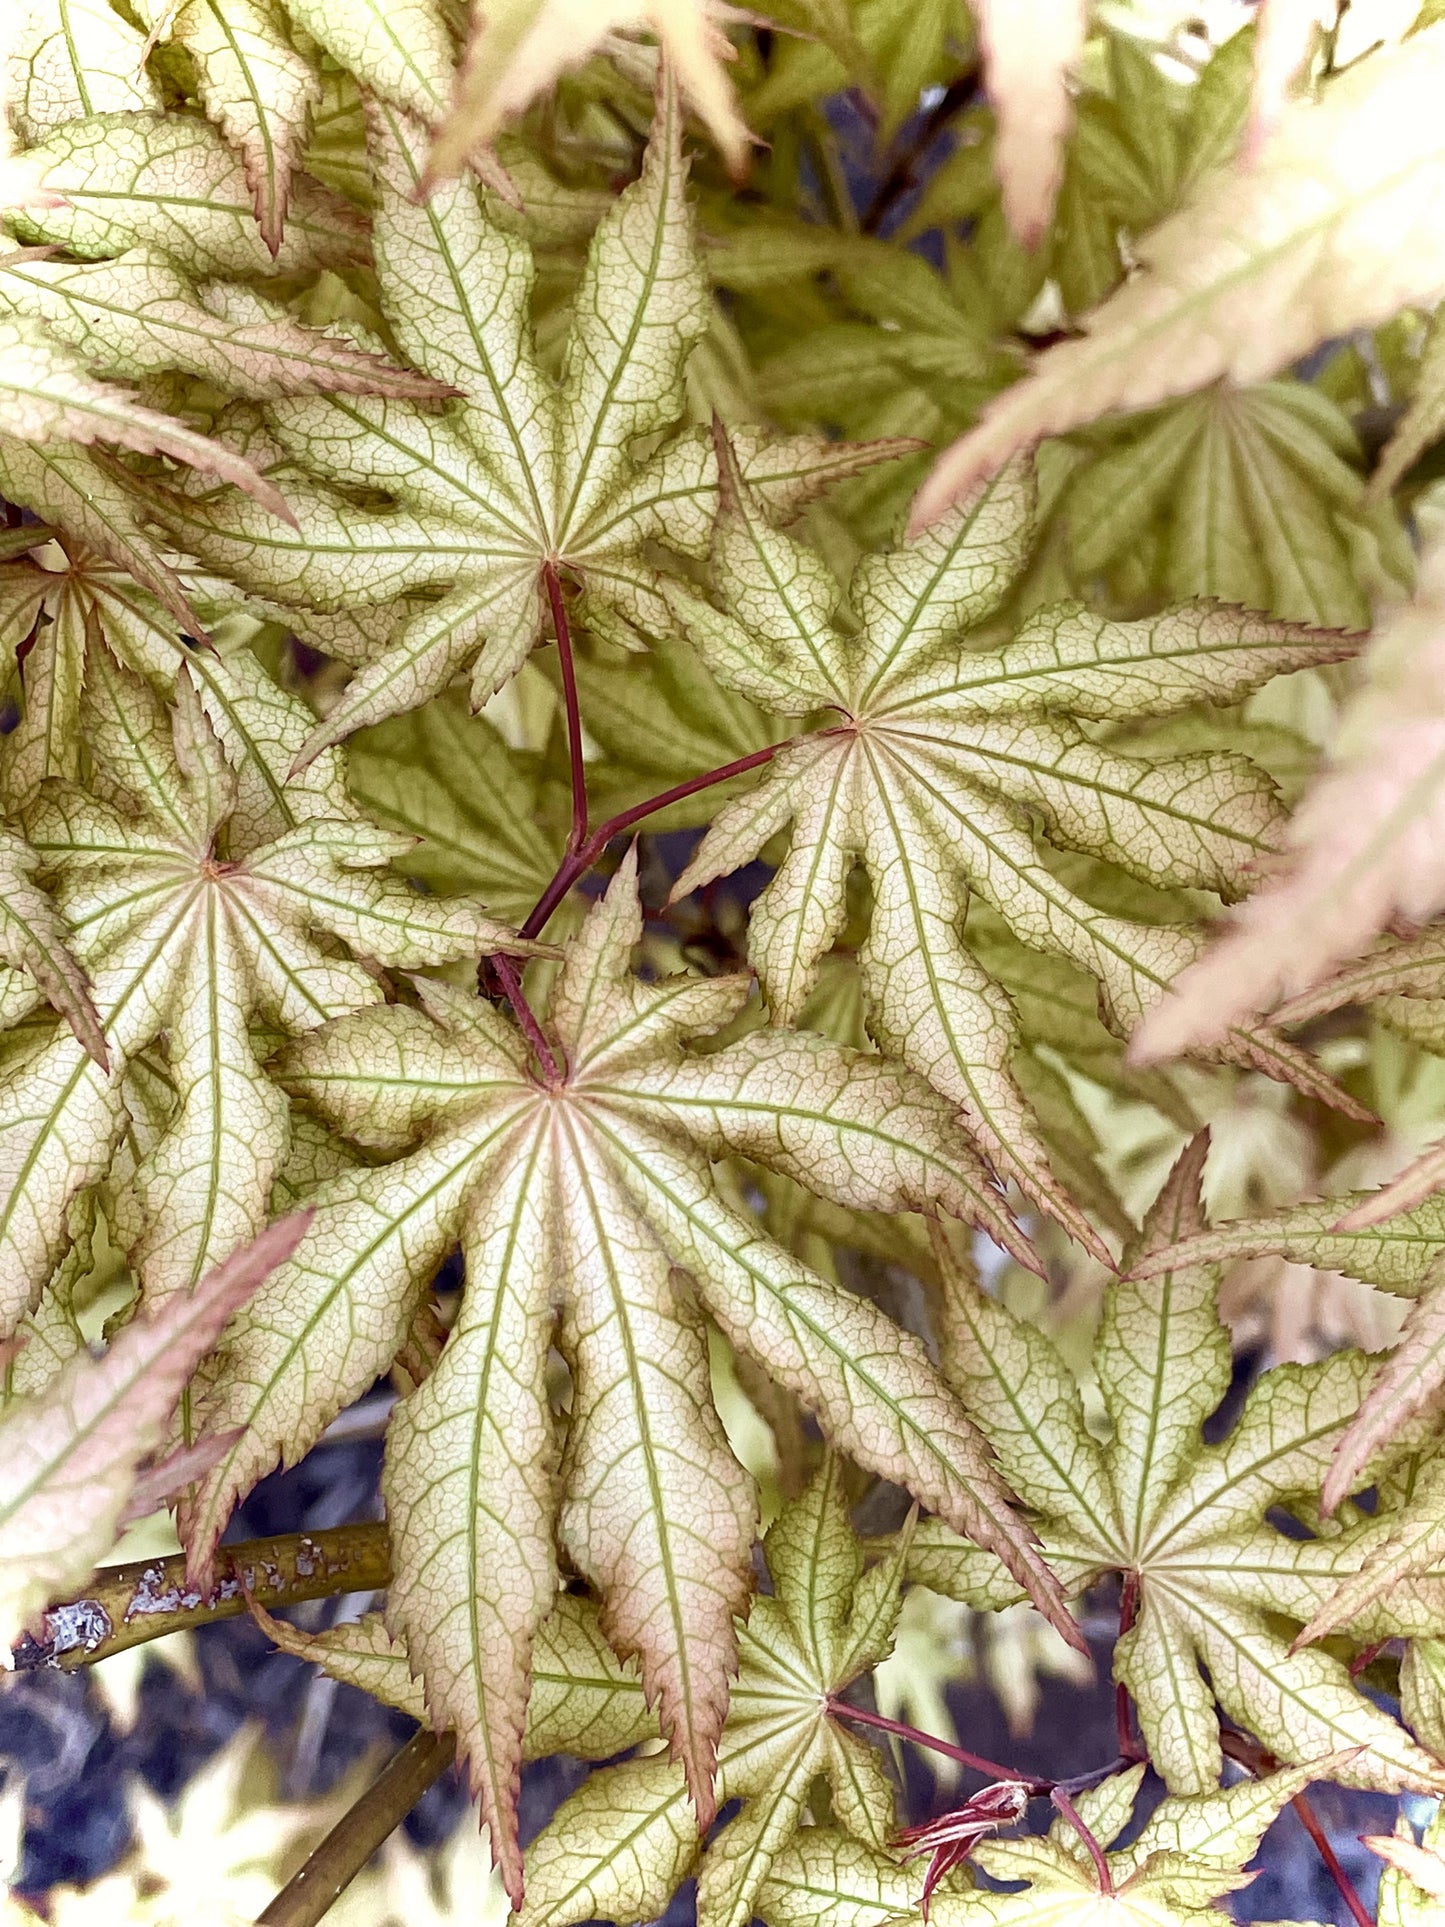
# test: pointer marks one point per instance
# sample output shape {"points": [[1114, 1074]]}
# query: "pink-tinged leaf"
{"points": [[1422, 1866], [1419, 1180], [34, 938], [155, 1483], [1029, 50], [47, 395], [1408, 1381], [68, 1455], [1367, 843], [950, 1839]]}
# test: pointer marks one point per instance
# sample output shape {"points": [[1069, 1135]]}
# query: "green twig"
{"points": [[124, 1606], [310, 1894]]}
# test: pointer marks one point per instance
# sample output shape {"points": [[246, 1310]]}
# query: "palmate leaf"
{"points": [[520, 476], [1189, 1522], [253, 83], [68, 1456], [1331, 227], [621, 1845], [943, 754], [196, 892], [596, 1180], [1243, 494]]}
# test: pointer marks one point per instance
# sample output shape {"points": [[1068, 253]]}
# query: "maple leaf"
{"points": [[48, 395], [943, 750], [522, 479], [1364, 842], [138, 315], [253, 83], [1331, 227], [1413, 1883], [583, 1699], [196, 891], [518, 48], [621, 1845], [34, 941], [65, 59], [592, 1171], [1029, 50], [70, 1452], [1187, 1524], [1188, 1855], [1244, 494]]}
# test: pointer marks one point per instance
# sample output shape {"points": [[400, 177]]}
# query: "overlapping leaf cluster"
{"points": [[362, 370]]}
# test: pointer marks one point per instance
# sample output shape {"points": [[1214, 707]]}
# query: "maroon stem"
{"points": [[1096, 1853], [1332, 1860], [580, 860], [1123, 1709], [562, 629], [840, 1709], [511, 984]]}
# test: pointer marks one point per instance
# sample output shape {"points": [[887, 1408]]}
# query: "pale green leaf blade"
{"points": [[397, 49], [47, 395], [615, 1850], [33, 938], [1162, 1357], [852, 1127], [642, 304], [1396, 1255], [169, 181], [869, 1383], [138, 316], [255, 86], [658, 1512], [825, 1872], [468, 1491], [69, 58], [331, 1319]]}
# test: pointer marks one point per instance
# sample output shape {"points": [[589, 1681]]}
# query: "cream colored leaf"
{"points": [[181, 943], [593, 1174], [138, 315], [69, 58], [254, 85], [1364, 843], [1189, 1522], [524, 474], [1030, 48], [1407, 1382], [48, 395], [169, 181], [518, 48], [70, 1453], [1331, 227], [947, 760]]}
